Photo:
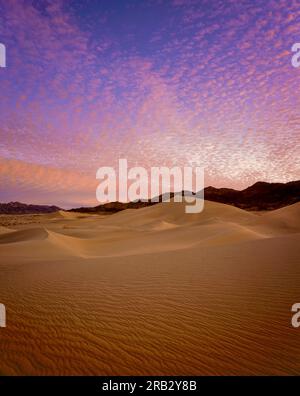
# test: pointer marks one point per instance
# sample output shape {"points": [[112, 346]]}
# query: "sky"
{"points": [[159, 82]]}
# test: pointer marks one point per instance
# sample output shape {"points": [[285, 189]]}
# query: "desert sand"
{"points": [[152, 291]]}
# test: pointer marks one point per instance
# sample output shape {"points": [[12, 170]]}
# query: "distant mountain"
{"points": [[21, 208], [259, 196], [113, 207]]}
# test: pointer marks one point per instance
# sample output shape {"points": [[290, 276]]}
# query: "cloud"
{"points": [[213, 85]]}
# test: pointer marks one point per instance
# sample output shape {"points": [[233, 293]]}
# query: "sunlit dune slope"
{"points": [[162, 227], [151, 291]]}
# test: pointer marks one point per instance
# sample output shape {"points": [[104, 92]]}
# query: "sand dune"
{"points": [[174, 212], [284, 220], [151, 291], [5, 230], [24, 235]]}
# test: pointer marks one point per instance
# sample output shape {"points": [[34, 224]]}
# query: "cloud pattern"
{"points": [[182, 82]]}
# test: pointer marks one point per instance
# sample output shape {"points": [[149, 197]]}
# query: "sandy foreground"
{"points": [[152, 291]]}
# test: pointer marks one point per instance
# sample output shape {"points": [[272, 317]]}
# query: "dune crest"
{"points": [[163, 227]]}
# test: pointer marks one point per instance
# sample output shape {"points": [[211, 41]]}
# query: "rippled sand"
{"points": [[151, 291]]}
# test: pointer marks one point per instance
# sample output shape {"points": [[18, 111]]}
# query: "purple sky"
{"points": [[161, 83]]}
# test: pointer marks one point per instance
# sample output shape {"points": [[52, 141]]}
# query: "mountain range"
{"points": [[259, 196], [22, 208]]}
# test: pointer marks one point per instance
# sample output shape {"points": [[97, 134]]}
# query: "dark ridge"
{"points": [[21, 208], [112, 207], [259, 196]]}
